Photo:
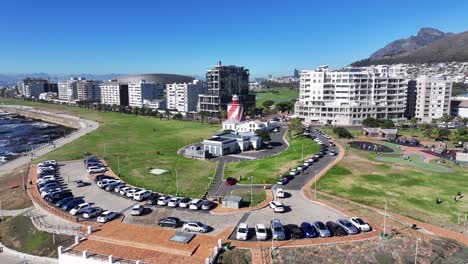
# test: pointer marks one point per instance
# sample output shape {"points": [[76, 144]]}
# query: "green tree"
{"points": [[445, 118], [178, 116], [168, 114], [296, 126], [426, 129], [264, 135], [267, 104], [342, 132], [413, 121], [387, 124], [370, 122]]}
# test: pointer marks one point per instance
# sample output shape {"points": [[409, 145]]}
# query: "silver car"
{"points": [[347, 226], [322, 229], [277, 230]]}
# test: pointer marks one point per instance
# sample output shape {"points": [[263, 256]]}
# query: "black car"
{"points": [[173, 222], [207, 205], [103, 177], [295, 231], [72, 203], [58, 196], [153, 199], [335, 229], [63, 201]]}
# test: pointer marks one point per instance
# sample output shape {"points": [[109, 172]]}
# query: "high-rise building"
{"points": [[411, 97], [68, 89], [183, 97], [348, 96], [33, 87], [88, 90], [222, 83], [433, 98], [114, 93], [144, 91]]}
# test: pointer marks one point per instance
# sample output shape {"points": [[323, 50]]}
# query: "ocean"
{"points": [[19, 135]]}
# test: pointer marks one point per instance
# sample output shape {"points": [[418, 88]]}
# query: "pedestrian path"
{"points": [[16, 212], [217, 179]]}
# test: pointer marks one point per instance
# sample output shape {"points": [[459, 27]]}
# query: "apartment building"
{"points": [[33, 87], [183, 97], [68, 89], [349, 95], [141, 91], [432, 97], [222, 83], [114, 93], [88, 90]]}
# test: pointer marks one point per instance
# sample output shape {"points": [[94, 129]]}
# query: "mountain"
{"points": [[400, 47], [450, 47]]}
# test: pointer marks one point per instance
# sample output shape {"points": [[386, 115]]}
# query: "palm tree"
{"points": [[413, 121], [445, 118]]}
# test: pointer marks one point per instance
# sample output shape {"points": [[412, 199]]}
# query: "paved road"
{"points": [[87, 126], [6, 258]]}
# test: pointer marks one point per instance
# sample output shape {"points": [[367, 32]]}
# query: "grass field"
{"points": [[283, 94], [11, 194], [409, 190], [20, 234], [140, 144], [258, 196], [263, 170]]}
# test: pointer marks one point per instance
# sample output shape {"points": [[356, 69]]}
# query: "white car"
{"points": [[279, 193], [261, 232], [95, 169], [106, 216], [195, 204], [132, 192], [195, 226], [80, 208], [123, 191], [360, 224], [277, 206], [185, 202], [242, 231], [293, 172], [163, 200], [137, 210], [174, 202], [141, 195], [47, 163], [103, 184]]}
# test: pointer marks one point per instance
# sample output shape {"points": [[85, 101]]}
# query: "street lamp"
{"points": [[177, 183], [385, 219], [251, 191]]}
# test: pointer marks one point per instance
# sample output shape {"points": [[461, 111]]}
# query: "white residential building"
{"points": [[114, 93], [68, 89], [432, 98], [141, 91], [183, 97], [88, 90], [245, 126], [349, 95]]}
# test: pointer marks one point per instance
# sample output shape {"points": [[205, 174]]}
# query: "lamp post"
{"points": [[177, 183], [251, 191], [385, 218]]}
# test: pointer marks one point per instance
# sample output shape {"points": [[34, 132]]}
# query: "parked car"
{"points": [[50, 191], [58, 196], [194, 226], [174, 202], [230, 181], [295, 231], [163, 200], [79, 208], [277, 230], [124, 190], [153, 199], [142, 195], [283, 180], [110, 186], [95, 169], [322, 229], [242, 232], [294, 172], [106, 216], [92, 212], [279, 193], [119, 187], [347, 226], [137, 210], [63, 201], [307, 163], [131, 192], [185, 202], [173, 222], [332, 153], [195, 204], [103, 184], [360, 224], [72, 203], [261, 232], [80, 183], [48, 163], [335, 229], [103, 177], [277, 206], [308, 229], [207, 205]]}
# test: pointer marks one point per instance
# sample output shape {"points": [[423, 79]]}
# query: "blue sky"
{"points": [[188, 37]]}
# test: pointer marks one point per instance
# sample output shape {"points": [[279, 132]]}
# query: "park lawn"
{"points": [[139, 144], [409, 190], [283, 94], [263, 170], [258, 196], [20, 234]]}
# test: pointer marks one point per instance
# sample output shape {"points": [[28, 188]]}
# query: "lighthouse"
{"points": [[235, 110]]}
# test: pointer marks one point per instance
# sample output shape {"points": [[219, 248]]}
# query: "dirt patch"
{"points": [[12, 195], [235, 256]]}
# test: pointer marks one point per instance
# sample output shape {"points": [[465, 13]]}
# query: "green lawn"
{"points": [[280, 95], [329, 131], [410, 190], [141, 144], [263, 170], [258, 196]]}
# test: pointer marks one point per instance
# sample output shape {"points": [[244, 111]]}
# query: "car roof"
{"points": [[261, 226], [137, 206], [243, 225]]}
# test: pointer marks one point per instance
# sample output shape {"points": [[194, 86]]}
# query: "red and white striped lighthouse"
{"points": [[235, 110]]}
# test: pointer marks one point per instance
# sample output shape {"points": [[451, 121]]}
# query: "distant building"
{"points": [[411, 97], [433, 98], [245, 126], [157, 104], [144, 91], [48, 96], [68, 89], [458, 106], [463, 109], [222, 83], [296, 74], [88, 90], [114, 93], [183, 97], [230, 143], [33, 87]]}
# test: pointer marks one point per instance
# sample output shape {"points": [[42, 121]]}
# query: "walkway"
{"points": [[16, 212], [87, 126], [217, 179]]}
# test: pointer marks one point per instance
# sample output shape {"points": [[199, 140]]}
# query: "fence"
{"points": [[39, 222]]}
